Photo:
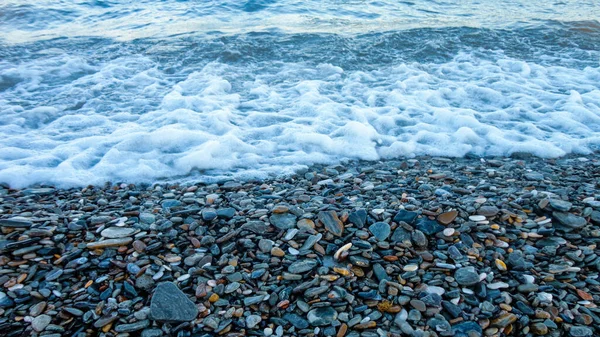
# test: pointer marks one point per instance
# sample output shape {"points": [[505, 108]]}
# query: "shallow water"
{"points": [[93, 91]]}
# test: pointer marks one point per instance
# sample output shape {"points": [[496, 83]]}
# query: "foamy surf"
{"points": [[250, 105]]}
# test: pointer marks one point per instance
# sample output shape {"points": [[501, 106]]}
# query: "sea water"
{"points": [[150, 91]]}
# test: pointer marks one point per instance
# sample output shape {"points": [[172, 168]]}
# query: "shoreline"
{"points": [[440, 247]]}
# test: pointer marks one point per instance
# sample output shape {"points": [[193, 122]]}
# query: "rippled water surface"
{"points": [[93, 91]]}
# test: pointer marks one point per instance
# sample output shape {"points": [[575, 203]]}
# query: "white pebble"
{"points": [[291, 233], [448, 231], [543, 222], [544, 297], [497, 285], [410, 267], [268, 332], [183, 277], [293, 251], [477, 218], [529, 278], [435, 290], [16, 287], [501, 244], [341, 250]]}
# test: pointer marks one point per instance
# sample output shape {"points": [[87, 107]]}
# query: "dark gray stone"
{"points": [[380, 230], [429, 227], [467, 329], [297, 321], [488, 211], [405, 216], [466, 277], [419, 238], [358, 218], [561, 205], [170, 304], [332, 223], [571, 221], [380, 272], [283, 221], [400, 235], [132, 326], [302, 266], [322, 316], [580, 331], [15, 223]]}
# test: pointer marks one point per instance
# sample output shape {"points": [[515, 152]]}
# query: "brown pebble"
{"points": [[201, 290], [213, 298], [447, 218], [342, 331], [276, 251], [585, 296], [195, 242], [139, 246], [367, 325], [280, 209]]}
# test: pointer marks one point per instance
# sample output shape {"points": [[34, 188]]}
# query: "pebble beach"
{"points": [[413, 247]]}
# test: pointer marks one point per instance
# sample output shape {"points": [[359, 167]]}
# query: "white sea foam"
{"points": [[69, 121]]}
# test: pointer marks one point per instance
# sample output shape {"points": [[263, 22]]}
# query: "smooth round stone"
{"points": [[539, 329], [265, 245], [560, 205], [544, 297], [37, 309], [209, 214], [419, 238], [436, 290], [466, 277], [252, 321], [267, 332], [477, 218], [322, 316], [418, 304], [488, 211], [41, 322], [448, 231], [447, 218], [410, 267]]}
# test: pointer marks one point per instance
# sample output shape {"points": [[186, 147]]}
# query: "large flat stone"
{"points": [[170, 304]]}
